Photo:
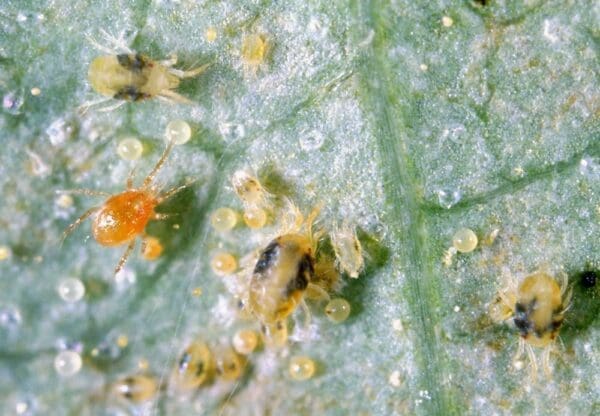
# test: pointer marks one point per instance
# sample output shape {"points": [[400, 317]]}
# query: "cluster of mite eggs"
{"points": [[286, 270]]}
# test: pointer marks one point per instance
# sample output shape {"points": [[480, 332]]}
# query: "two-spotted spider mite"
{"points": [[286, 272], [127, 76], [122, 218], [537, 306]]}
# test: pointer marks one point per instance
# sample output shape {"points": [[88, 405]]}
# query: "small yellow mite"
{"points": [[255, 49], [537, 307], [135, 77], [229, 364], [138, 388], [196, 364]]}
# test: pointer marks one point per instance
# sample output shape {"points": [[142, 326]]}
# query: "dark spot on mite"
{"points": [[588, 279], [482, 2], [556, 323], [306, 271], [184, 361], [134, 63], [267, 258], [200, 369], [130, 94], [130, 382], [522, 322]]}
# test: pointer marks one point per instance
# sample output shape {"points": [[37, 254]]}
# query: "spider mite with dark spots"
{"points": [[133, 77]]}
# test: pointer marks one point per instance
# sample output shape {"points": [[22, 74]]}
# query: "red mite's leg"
{"points": [[159, 164], [79, 220], [130, 178], [168, 194], [125, 256], [88, 192]]}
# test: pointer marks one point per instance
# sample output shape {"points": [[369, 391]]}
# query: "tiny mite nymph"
{"points": [[124, 216], [537, 307]]}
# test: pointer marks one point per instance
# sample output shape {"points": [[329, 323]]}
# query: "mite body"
{"points": [[285, 274], [281, 275], [537, 306], [138, 389], [135, 77], [123, 217], [128, 76], [194, 367]]}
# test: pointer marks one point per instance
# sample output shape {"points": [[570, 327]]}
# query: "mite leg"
{"points": [[169, 62], [317, 292], [307, 314], [546, 361], [109, 108], [533, 368], [158, 165], [168, 194], [172, 97], [125, 256], [88, 192], [78, 221], [191, 73]]}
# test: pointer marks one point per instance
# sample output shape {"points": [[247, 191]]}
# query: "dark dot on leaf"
{"points": [[588, 278]]}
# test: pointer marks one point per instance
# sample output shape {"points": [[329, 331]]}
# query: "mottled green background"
{"points": [[406, 127]]}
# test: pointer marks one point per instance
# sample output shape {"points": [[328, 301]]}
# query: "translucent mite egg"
{"points": [[4, 252], [464, 240], [223, 219], [255, 217], [254, 51], [245, 341], [138, 388], [223, 264], [152, 248], [64, 201], [178, 131], [229, 364], [337, 310], [301, 368], [67, 363], [71, 289], [130, 148], [195, 366], [211, 34]]}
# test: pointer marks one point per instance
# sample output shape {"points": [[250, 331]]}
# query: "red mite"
{"points": [[123, 217]]}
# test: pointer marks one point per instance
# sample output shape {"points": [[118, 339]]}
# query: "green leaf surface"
{"points": [[406, 119]]}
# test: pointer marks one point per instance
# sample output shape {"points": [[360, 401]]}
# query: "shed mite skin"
{"points": [[537, 306], [122, 218], [132, 77], [250, 191], [348, 251]]}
